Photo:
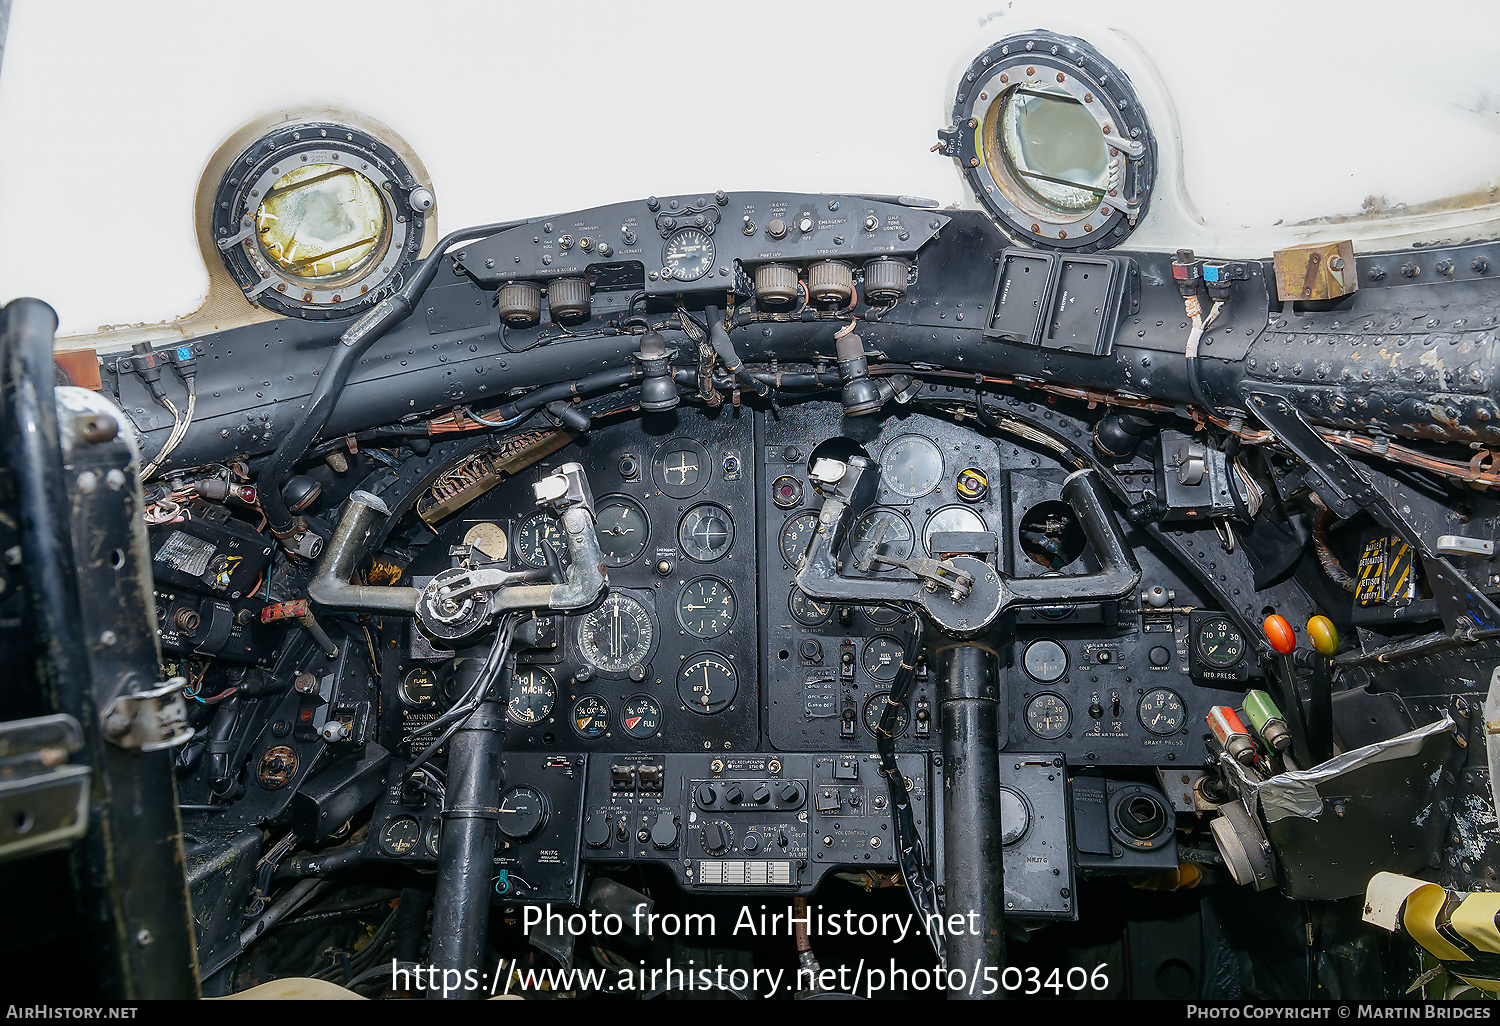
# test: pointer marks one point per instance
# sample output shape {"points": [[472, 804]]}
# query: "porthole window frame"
{"points": [[1054, 63], [243, 187]]}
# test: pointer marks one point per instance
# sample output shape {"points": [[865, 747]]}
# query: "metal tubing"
{"points": [[973, 871], [461, 913], [362, 515], [1118, 573]]}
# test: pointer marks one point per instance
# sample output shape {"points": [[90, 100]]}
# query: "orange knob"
{"points": [[1279, 634]]}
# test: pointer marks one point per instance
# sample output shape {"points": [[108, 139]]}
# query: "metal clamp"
{"points": [[43, 799], [149, 721]]}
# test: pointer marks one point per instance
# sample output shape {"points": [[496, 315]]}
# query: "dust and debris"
{"points": [[1473, 819]]}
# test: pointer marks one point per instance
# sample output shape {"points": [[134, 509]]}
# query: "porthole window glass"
{"points": [[1053, 142], [322, 222], [1052, 150]]}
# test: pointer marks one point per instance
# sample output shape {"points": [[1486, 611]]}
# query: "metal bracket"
{"points": [[1346, 491], [43, 800], [149, 721]]}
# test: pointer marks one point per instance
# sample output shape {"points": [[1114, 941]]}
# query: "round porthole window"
{"points": [[1054, 142], [319, 220]]}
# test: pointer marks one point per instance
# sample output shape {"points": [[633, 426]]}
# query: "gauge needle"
{"points": [[614, 637]]}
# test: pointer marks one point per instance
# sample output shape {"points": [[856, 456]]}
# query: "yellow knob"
{"points": [[1323, 635]]}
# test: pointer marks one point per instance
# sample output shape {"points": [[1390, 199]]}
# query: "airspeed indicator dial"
{"points": [[538, 529]]}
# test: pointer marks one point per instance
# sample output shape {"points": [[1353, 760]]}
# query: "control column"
{"points": [[974, 873]]}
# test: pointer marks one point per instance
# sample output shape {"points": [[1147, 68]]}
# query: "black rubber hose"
{"points": [[352, 344], [615, 377]]}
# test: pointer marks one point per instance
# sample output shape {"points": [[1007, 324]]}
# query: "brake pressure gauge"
{"points": [[1048, 716]]}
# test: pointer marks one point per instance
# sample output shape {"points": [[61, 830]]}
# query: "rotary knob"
{"points": [[706, 795], [734, 794], [761, 794], [776, 229], [716, 838]]}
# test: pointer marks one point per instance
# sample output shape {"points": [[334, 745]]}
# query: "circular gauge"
{"points": [[884, 616], [532, 695], [786, 492], [875, 708], [590, 718], [523, 810], [420, 689], [911, 466], [1045, 661], [488, 540], [689, 254], [807, 611], [706, 532], [882, 657], [951, 519], [884, 530], [1048, 716], [617, 635], [1220, 643], [434, 838], [707, 683], [641, 717], [1161, 711], [400, 836], [623, 531], [706, 607], [796, 534], [539, 528], [681, 468]]}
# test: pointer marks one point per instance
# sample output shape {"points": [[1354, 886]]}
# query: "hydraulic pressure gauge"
{"points": [[1219, 642], [688, 255]]}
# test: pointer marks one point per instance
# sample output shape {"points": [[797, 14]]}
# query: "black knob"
{"points": [[751, 845], [761, 794], [734, 794], [707, 795], [664, 831], [812, 650], [596, 832], [1160, 656], [790, 793], [715, 839]]}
